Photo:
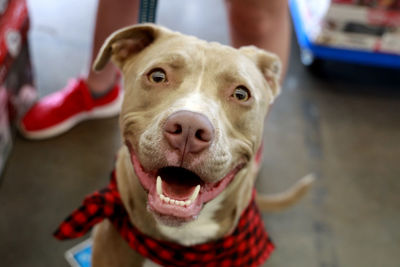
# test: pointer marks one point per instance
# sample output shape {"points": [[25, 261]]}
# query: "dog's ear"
{"points": [[269, 65], [125, 42]]}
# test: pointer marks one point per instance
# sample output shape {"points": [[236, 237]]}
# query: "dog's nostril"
{"points": [[202, 135], [177, 129], [198, 134], [174, 128]]}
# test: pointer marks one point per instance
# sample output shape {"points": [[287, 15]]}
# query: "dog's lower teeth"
{"points": [[171, 201]]}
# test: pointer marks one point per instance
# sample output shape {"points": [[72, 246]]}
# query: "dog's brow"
{"points": [[231, 77], [175, 60]]}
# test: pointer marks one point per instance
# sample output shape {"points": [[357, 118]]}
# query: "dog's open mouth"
{"points": [[178, 194]]}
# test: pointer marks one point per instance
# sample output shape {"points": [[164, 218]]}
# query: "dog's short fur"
{"points": [[201, 78]]}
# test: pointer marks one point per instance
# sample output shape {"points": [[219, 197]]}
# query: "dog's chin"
{"points": [[168, 220], [177, 195]]}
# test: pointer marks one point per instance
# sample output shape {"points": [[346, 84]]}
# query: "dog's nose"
{"points": [[189, 132]]}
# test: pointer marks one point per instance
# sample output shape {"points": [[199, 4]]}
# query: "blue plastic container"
{"points": [[311, 51]]}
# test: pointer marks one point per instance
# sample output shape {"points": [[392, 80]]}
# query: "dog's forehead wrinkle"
{"points": [[180, 44], [175, 59], [231, 76]]}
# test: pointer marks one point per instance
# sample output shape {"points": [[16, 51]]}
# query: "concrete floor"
{"points": [[344, 126]]}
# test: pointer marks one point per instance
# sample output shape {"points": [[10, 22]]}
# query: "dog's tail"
{"points": [[285, 199]]}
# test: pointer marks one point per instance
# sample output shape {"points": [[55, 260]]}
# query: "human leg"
{"points": [[111, 16], [263, 23]]}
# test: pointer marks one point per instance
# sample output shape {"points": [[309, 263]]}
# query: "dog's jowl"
{"points": [[182, 192]]}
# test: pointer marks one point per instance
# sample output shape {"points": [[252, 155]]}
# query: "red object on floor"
{"points": [[15, 70], [14, 24], [60, 111]]}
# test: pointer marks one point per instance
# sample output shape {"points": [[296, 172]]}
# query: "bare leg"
{"points": [[263, 23], [111, 15]]}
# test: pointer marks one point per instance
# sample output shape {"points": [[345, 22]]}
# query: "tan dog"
{"points": [[192, 123]]}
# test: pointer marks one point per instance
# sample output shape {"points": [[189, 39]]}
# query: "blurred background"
{"points": [[338, 120]]}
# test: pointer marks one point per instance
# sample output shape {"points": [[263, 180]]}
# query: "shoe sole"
{"points": [[102, 112]]}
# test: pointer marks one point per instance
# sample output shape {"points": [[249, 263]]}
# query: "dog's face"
{"points": [[192, 115]]}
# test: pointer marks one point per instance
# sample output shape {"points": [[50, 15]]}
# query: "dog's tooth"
{"points": [[180, 203], [195, 193], [172, 201], [162, 197], [159, 185], [167, 199], [188, 202]]}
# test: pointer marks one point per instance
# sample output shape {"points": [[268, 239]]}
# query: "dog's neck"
{"points": [[217, 219]]}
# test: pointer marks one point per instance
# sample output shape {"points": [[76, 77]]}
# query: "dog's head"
{"points": [[192, 115]]}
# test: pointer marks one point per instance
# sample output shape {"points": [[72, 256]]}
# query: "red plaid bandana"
{"points": [[249, 244]]}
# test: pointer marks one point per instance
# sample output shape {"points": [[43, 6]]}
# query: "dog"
{"points": [[191, 123]]}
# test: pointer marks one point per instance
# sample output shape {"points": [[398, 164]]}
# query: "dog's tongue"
{"points": [[178, 183]]}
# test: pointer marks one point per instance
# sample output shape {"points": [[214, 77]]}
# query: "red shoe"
{"points": [[62, 110]]}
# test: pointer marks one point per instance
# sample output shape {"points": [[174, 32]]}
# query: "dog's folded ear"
{"points": [[126, 42], [269, 65]]}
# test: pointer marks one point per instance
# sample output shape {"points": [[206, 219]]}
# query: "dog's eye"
{"points": [[157, 76], [241, 94]]}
